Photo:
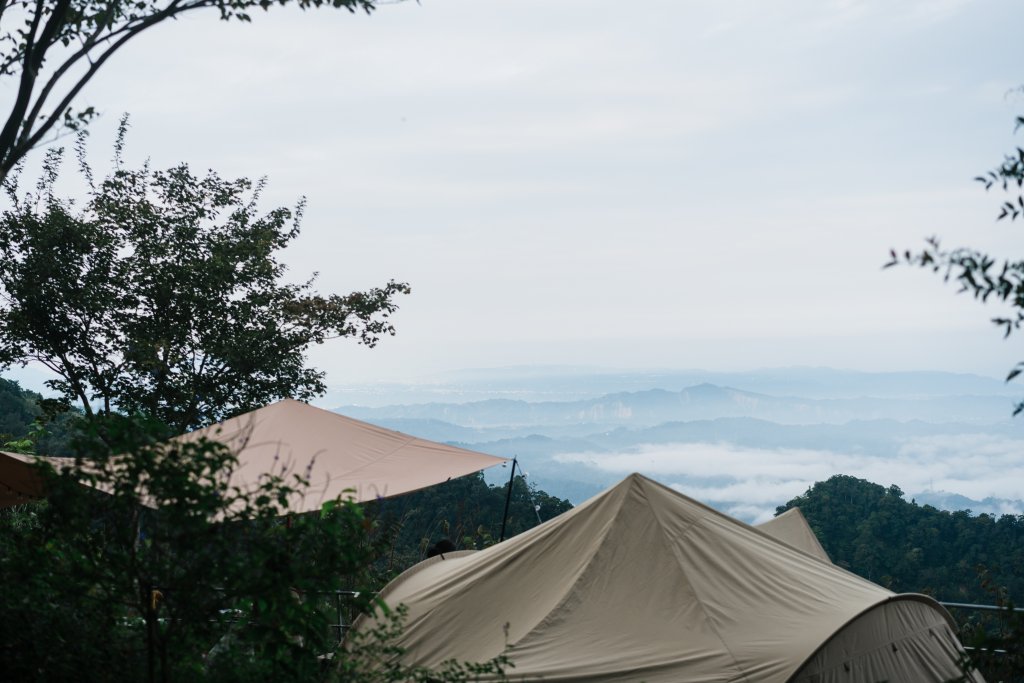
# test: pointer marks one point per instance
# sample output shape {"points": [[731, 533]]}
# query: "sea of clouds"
{"points": [[749, 483]]}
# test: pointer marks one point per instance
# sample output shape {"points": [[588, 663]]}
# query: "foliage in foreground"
{"points": [[161, 571]]}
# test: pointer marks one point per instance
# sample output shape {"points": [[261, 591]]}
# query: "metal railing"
{"points": [[341, 599], [973, 607], [980, 608]]}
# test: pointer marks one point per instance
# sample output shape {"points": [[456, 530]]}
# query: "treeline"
{"points": [[874, 532]]}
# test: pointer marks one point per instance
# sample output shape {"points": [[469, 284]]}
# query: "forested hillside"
{"points": [[467, 511], [22, 410], [18, 409], [872, 531]]}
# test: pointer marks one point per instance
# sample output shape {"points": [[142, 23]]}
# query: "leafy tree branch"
{"points": [[53, 48], [983, 276]]}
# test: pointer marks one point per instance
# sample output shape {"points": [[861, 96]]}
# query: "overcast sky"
{"points": [[709, 184]]}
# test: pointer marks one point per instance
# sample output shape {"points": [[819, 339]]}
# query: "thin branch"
{"points": [[69, 373], [18, 145], [9, 134], [94, 41], [87, 45]]}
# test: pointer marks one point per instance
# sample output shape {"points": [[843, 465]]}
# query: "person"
{"points": [[440, 548]]}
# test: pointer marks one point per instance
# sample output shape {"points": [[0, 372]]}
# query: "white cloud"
{"points": [[752, 481]]}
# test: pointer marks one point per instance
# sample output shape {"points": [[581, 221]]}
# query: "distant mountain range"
{"points": [[701, 402], [563, 383], [878, 437]]}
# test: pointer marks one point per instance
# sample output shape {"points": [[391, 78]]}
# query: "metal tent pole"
{"points": [[508, 499]]}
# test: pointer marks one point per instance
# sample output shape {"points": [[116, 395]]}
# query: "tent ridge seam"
{"points": [[700, 603], [569, 591], [672, 548]]}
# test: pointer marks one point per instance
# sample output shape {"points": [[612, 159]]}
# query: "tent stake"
{"points": [[508, 499]]}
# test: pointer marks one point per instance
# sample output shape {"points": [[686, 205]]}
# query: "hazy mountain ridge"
{"points": [[704, 401], [882, 435], [561, 383]]}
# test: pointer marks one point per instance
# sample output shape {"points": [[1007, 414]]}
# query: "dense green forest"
{"points": [[22, 411], [18, 410], [467, 511], [874, 532]]}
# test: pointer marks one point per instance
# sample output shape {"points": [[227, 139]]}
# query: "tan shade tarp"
{"points": [[19, 482], [791, 527], [639, 583], [336, 453]]}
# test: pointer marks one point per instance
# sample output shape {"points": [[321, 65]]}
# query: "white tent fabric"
{"points": [[641, 583], [338, 455], [791, 527]]}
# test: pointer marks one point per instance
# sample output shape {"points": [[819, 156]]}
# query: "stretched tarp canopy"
{"points": [[791, 527], [339, 456], [19, 482], [336, 454], [641, 583]]}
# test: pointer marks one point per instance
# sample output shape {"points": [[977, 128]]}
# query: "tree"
{"points": [[982, 275], [53, 48], [161, 295]]}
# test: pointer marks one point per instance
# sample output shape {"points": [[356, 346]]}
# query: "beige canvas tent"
{"points": [[641, 583], [791, 527], [336, 454]]}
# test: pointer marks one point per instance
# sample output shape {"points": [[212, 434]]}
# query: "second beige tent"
{"points": [[791, 527]]}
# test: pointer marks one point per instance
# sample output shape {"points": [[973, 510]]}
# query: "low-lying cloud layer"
{"points": [[749, 482]]}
